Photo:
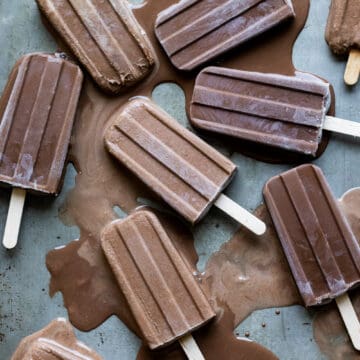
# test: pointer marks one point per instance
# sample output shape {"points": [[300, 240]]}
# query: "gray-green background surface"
{"points": [[25, 306]]}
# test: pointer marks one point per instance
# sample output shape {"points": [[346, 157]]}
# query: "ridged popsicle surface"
{"points": [[343, 26], [192, 32], [106, 38], [163, 294], [37, 111], [322, 251], [181, 168], [276, 110]]}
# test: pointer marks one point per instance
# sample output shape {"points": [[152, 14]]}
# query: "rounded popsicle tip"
{"points": [[9, 243], [259, 228], [352, 71]]}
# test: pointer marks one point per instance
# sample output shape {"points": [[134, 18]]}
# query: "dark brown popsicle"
{"points": [[181, 168], [343, 35], [105, 37], [37, 112], [322, 251], [192, 32], [343, 26]]}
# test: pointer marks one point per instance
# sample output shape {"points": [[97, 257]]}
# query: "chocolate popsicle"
{"points": [[287, 112], [343, 35], [182, 169], [193, 32], [322, 251], [105, 37], [37, 111], [166, 300], [56, 341]]}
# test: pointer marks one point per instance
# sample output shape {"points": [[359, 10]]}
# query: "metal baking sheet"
{"points": [[25, 306]]}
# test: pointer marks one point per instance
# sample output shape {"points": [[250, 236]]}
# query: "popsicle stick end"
{"points": [[13, 221], [352, 72]]}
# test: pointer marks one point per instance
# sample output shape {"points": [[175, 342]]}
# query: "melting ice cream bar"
{"points": [[321, 249], [343, 35], [182, 169], [37, 111], [287, 112], [166, 300], [105, 37], [193, 32]]}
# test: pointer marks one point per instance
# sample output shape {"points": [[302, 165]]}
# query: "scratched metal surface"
{"points": [[25, 306]]}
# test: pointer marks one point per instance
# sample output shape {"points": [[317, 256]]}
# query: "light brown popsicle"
{"points": [[105, 37], [181, 168], [165, 299]]}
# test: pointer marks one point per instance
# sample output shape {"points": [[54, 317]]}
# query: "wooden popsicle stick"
{"points": [[342, 126], [352, 71], [350, 319], [13, 221], [191, 348], [240, 214]]}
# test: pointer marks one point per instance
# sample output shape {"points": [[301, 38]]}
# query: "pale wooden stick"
{"points": [[342, 126], [350, 319], [240, 214], [352, 71], [191, 348], [13, 221]]}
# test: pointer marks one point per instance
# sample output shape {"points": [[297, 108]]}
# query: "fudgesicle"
{"points": [[105, 37], [37, 112], [288, 112], [193, 32], [181, 168], [166, 300], [185, 171]]}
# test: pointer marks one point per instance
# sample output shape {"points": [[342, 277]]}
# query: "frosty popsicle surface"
{"points": [[162, 293], [105, 37], [193, 32], [322, 251], [288, 112], [37, 111], [182, 169]]}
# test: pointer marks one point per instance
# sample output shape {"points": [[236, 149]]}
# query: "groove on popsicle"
{"points": [[102, 35], [15, 88], [193, 32], [38, 120]]}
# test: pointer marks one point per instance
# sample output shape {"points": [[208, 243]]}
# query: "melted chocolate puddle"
{"points": [[248, 273]]}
